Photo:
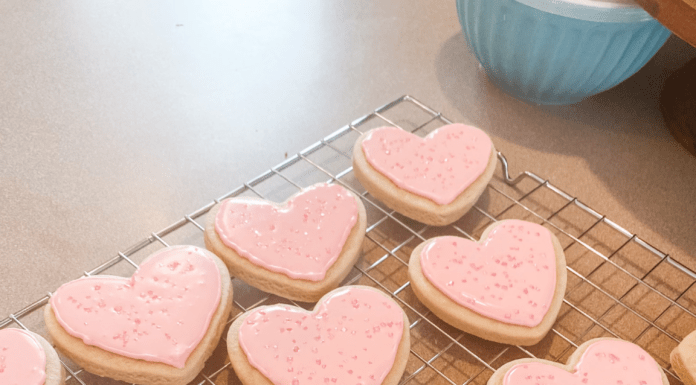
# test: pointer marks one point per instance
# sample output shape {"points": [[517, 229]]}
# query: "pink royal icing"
{"points": [[160, 314], [612, 362], [438, 167], [301, 240], [22, 359], [351, 338], [510, 277]]}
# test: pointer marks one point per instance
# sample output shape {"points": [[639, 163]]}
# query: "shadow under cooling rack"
{"points": [[618, 284]]}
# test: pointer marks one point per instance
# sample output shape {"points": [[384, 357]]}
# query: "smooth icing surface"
{"points": [[301, 240], [606, 362], [22, 359], [510, 277], [160, 314], [351, 338], [438, 167]]}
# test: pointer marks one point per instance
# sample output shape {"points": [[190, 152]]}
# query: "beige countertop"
{"points": [[118, 118]]}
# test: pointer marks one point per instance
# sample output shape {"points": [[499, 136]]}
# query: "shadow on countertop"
{"points": [[650, 174]]}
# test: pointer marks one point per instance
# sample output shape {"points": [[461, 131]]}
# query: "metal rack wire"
{"points": [[618, 284]]}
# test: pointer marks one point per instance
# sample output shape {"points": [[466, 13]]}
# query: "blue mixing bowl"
{"points": [[559, 51]]}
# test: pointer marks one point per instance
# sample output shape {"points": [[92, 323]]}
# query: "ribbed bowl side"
{"points": [[550, 59]]}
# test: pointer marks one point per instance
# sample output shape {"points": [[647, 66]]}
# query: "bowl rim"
{"points": [[592, 10]]}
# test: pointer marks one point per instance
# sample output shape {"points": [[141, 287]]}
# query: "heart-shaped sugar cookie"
{"points": [[300, 249], [434, 180], [512, 280], [22, 359], [510, 276], [160, 314], [301, 239], [438, 167], [596, 362], [355, 335]]}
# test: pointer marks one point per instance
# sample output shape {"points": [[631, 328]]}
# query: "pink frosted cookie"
{"points": [[508, 287], [28, 359], [354, 335], [596, 362], [157, 327], [300, 249], [434, 180]]}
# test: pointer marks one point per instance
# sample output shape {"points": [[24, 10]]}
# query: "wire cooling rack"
{"points": [[618, 284]]}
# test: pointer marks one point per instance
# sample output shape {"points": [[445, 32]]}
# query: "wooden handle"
{"points": [[677, 15], [651, 6]]}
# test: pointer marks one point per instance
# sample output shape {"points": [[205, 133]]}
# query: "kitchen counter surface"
{"points": [[117, 118]]}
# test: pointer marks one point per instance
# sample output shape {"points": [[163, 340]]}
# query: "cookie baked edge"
{"points": [[479, 325], [55, 373], [683, 359]]}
